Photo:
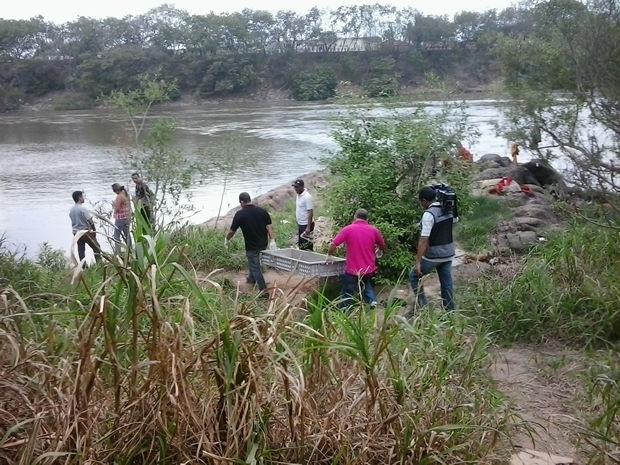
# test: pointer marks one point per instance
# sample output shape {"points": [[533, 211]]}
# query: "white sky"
{"points": [[62, 11]]}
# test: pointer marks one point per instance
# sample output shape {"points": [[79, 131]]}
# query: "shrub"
{"points": [[380, 166], [319, 84], [381, 86]]}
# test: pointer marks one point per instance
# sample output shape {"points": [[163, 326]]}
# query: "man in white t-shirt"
{"points": [[303, 215], [435, 249]]}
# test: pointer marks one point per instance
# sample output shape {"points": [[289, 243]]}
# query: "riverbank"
{"points": [[345, 93]]}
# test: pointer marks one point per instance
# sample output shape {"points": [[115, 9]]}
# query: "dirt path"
{"points": [[536, 380], [540, 388]]}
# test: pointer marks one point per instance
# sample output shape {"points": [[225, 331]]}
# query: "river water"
{"points": [[253, 147]]}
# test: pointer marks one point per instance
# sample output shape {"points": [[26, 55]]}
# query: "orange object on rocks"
{"points": [[464, 154], [527, 191]]}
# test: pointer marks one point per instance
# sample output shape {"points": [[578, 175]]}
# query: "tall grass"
{"points": [[601, 428], [155, 368], [566, 290]]}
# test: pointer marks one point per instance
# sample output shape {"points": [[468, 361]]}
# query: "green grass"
{"points": [[472, 231], [566, 289]]}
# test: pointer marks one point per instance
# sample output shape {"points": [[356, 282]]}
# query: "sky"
{"points": [[62, 11]]}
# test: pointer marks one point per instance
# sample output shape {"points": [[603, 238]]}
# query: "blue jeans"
{"points": [[351, 286], [255, 274], [444, 272], [121, 231]]}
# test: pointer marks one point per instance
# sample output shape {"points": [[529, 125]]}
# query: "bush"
{"points": [[317, 85], [380, 166], [381, 87]]}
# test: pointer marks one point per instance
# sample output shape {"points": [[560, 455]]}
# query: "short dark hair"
{"points": [[361, 213], [76, 195], [427, 193], [245, 197]]}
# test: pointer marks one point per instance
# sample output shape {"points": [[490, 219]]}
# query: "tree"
{"points": [[381, 164], [20, 39], [151, 152], [572, 49], [259, 24], [289, 30]]}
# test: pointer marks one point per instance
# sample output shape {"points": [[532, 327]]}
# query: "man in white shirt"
{"points": [[435, 249], [303, 215]]}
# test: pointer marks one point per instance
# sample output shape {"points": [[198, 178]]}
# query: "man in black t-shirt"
{"points": [[255, 224]]}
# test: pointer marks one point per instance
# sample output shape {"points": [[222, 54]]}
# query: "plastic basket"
{"points": [[303, 262]]}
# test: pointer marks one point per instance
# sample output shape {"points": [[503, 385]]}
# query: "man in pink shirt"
{"points": [[362, 242]]}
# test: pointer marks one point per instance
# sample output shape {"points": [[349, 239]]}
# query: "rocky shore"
{"points": [[275, 199], [527, 197]]}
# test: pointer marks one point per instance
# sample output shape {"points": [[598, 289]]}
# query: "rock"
{"points": [[493, 160], [548, 177], [517, 241], [274, 200], [544, 174], [526, 197]]}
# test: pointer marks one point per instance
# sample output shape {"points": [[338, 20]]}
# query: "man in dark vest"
{"points": [[435, 249]]}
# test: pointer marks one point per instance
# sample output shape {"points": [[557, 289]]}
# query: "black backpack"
{"points": [[446, 196]]}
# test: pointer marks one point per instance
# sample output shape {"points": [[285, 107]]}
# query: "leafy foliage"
{"points": [[316, 85], [576, 300], [571, 48], [383, 162], [382, 81], [121, 69], [227, 75]]}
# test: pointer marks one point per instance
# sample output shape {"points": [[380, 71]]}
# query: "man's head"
{"points": [[298, 184], [244, 198], [427, 195], [361, 214], [136, 178], [77, 196]]}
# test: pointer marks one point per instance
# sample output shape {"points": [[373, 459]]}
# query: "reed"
{"points": [[159, 367]]}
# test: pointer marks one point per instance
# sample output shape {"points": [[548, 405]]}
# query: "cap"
{"points": [[298, 183]]}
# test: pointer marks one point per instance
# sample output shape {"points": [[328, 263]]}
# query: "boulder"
{"points": [[493, 160], [544, 174], [274, 200]]}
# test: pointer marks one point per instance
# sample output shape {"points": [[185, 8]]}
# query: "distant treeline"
{"points": [[378, 47]]}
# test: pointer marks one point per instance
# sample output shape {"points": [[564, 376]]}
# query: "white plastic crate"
{"points": [[303, 262]]}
